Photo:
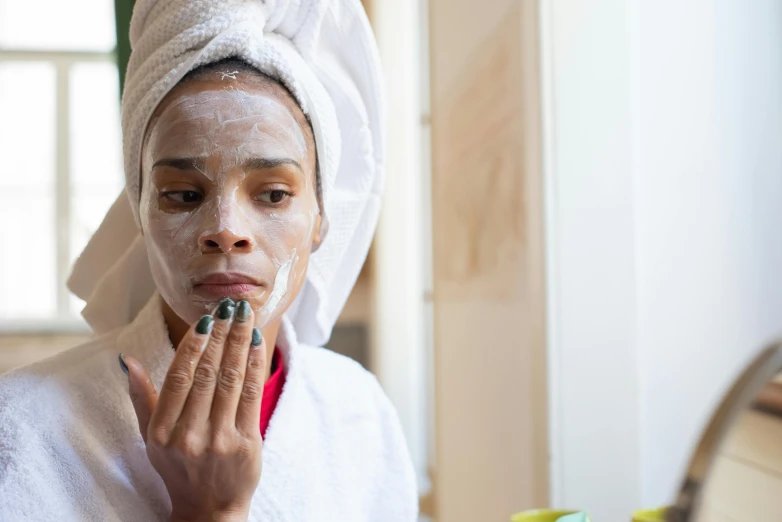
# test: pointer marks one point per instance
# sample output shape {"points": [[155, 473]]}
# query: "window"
{"points": [[60, 150]]}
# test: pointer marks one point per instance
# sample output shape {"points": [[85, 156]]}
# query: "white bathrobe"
{"points": [[70, 448]]}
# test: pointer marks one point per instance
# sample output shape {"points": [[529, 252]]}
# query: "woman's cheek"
{"points": [[168, 259], [288, 239], [280, 234]]}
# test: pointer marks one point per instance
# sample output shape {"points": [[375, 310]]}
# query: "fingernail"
{"points": [[204, 326], [243, 311], [123, 365], [226, 309], [256, 337]]}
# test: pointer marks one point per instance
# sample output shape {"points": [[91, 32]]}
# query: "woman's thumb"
{"points": [[142, 391]]}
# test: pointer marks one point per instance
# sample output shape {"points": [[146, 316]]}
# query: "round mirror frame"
{"points": [[740, 397]]}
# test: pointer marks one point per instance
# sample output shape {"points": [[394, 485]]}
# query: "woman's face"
{"points": [[228, 203]]}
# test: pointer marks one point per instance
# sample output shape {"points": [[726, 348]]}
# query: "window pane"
{"points": [[80, 25], [96, 142], [28, 270], [96, 151], [28, 267], [27, 124]]}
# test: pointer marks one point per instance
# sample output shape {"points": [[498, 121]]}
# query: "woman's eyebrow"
{"points": [[198, 164], [269, 163]]}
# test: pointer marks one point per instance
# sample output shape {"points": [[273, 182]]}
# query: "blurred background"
{"points": [[579, 247]]}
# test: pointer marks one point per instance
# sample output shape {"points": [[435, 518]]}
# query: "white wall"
{"points": [[399, 348], [591, 265], [664, 183], [709, 213]]}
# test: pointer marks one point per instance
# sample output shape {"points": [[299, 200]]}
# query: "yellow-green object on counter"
{"points": [[550, 515], [581, 516], [650, 515]]}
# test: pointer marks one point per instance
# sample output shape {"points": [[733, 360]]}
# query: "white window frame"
{"points": [[63, 62]]}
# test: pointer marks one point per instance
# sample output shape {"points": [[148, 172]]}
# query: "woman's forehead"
{"points": [[245, 82], [221, 118], [225, 103], [202, 118]]}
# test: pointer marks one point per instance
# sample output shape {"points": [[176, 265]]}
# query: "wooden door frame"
{"points": [[489, 260]]}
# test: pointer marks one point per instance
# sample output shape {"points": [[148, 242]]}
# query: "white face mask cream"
{"points": [[228, 204]]}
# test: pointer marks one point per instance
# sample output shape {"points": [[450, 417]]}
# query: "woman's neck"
{"points": [[177, 328]]}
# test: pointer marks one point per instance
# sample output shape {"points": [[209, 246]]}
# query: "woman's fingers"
{"points": [[217, 376], [179, 379], [248, 414], [230, 377], [142, 392], [199, 402]]}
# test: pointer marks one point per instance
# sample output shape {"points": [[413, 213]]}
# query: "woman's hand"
{"points": [[203, 431]]}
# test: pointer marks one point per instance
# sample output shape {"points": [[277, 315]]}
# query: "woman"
{"points": [[253, 152]]}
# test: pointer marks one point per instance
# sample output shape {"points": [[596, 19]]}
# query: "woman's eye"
{"points": [[274, 196], [185, 197]]}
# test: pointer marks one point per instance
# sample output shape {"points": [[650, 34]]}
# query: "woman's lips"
{"points": [[235, 286]]}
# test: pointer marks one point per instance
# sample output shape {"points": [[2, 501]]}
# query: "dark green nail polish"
{"points": [[242, 311], [256, 337], [204, 326], [123, 365], [226, 309]]}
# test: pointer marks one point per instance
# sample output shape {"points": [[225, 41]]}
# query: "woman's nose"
{"points": [[225, 242]]}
